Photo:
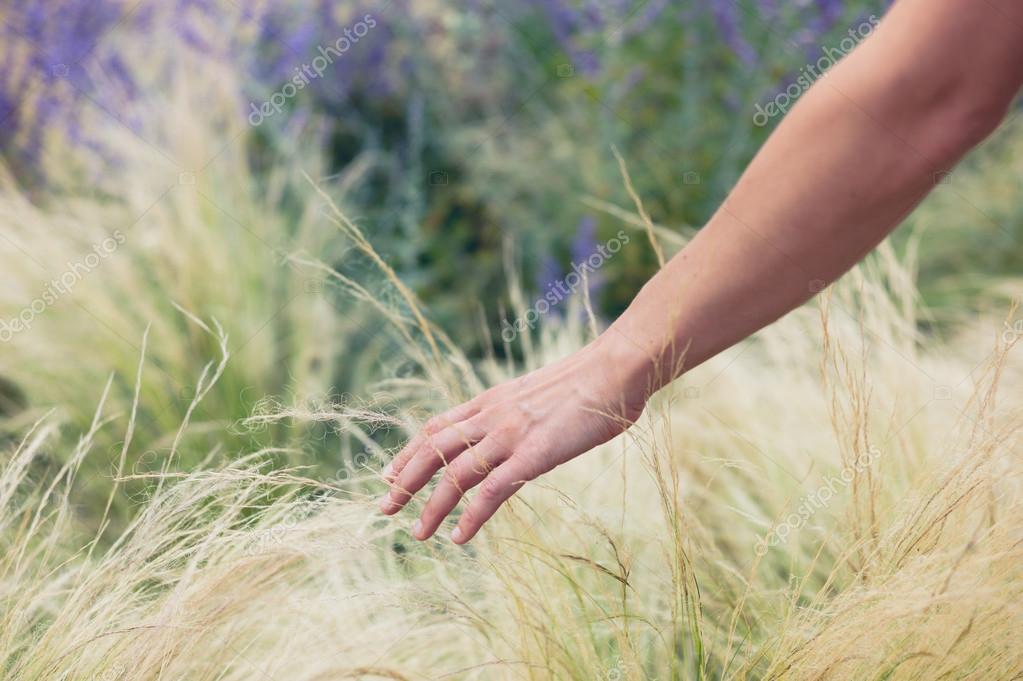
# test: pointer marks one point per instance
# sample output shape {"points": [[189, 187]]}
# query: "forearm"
{"points": [[858, 152]]}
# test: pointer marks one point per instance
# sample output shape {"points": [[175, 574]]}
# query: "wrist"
{"points": [[637, 367]]}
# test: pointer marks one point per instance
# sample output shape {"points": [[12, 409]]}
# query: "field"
{"points": [[225, 303]]}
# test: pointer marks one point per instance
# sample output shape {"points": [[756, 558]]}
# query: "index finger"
{"points": [[432, 427]]}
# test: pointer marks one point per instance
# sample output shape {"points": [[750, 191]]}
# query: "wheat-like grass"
{"points": [[698, 545], [638, 560]]}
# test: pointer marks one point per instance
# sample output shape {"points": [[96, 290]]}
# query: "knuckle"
{"points": [[436, 457], [504, 434], [492, 395], [453, 477], [491, 489], [537, 442], [431, 444], [403, 458], [469, 516], [433, 426], [478, 421], [405, 482], [480, 466]]}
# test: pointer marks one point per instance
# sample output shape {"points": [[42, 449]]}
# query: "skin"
{"points": [[856, 154]]}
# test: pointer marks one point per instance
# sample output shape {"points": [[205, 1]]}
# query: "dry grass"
{"points": [[642, 559]]}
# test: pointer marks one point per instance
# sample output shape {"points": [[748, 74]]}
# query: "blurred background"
{"points": [[469, 121], [471, 142]]}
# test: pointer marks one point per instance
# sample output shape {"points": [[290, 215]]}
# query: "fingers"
{"points": [[432, 427], [467, 471], [436, 450], [497, 488]]}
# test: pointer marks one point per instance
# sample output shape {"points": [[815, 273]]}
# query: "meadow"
{"points": [[246, 251]]}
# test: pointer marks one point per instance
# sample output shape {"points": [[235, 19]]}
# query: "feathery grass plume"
{"points": [[647, 222], [783, 511], [838, 497], [85, 274], [700, 544]]}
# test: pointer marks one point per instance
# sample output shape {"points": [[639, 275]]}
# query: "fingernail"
{"points": [[456, 535], [388, 471], [385, 503], [417, 528]]}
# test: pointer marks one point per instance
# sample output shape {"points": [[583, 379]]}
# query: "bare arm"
{"points": [[860, 149], [856, 154]]}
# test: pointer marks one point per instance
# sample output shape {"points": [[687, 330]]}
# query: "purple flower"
{"points": [[52, 52], [648, 15], [726, 16], [548, 274], [584, 246], [51, 42], [574, 24]]}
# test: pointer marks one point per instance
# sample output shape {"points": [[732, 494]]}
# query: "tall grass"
{"points": [[190, 227], [154, 523], [646, 558]]}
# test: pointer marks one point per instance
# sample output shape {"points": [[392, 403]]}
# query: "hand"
{"points": [[514, 433]]}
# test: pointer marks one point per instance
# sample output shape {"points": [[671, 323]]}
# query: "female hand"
{"points": [[513, 433]]}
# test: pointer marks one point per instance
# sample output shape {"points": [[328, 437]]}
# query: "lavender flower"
{"points": [[726, 16], [47, 42], [571, 25], [548, 274], [584, 245], [49, 53]]}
